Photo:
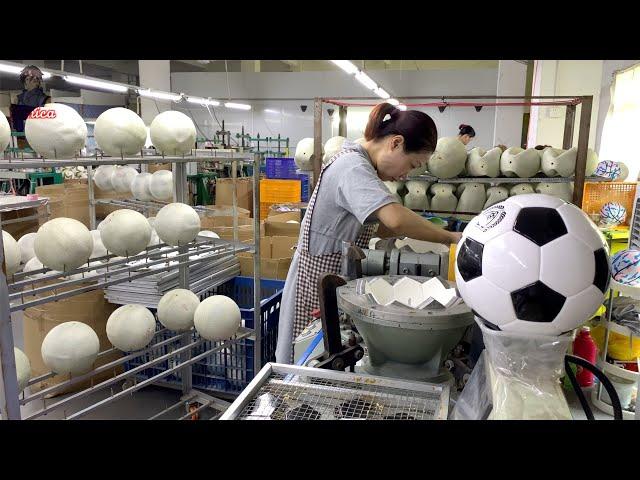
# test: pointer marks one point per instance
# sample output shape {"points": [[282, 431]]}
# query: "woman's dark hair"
{"points": [[30, 71], [417, 128], [467, 130]]}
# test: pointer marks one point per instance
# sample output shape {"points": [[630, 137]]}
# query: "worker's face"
{"points": [[395, 163], [466, 138], [31, 82]]}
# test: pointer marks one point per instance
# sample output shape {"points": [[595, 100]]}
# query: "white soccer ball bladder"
{"points": [[102, 177], [5, 133], [70, 348], [217, 318], [125, 232], [304, 155], [141, 187], [161, 185], [25, 243], [449, 158], [120, 132], [131, 327], [12, 254], [208, 233], [177, 224], [121, 178], [23, 368], [331, 147], [63, 244], [99, 250], [55, 131], [177, 308], [173, 133]]}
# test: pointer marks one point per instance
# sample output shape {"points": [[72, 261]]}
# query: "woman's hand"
{"points": [[402, 221], [455, 237]]}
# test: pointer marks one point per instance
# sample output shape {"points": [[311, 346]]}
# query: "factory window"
{"points": [[620, 130]]}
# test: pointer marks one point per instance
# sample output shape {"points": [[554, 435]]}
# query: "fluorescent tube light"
{"points": [[203, 101], [347, 66], [238, 106], [114, 87]]}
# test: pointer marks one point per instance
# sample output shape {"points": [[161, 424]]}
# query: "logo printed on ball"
{"points": [[42, 113], [491, 217]]}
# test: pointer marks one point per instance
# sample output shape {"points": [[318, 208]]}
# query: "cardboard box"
{"points": [[223, 226], [244, 191], [280, 208], [154, 167], [277, 225], [68, 199], [20, 229], [275, 258]]}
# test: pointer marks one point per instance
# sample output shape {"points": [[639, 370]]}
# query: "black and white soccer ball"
{"points": [[533, 264]]}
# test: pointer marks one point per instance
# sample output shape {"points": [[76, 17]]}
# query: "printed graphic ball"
{"points": [[177, 224], [177, 308], [23, 368], [533, 264], [121, 178], [63, 244], [102, 177], [120, 132], [217, 318], [161, 185], [131, 327], [613, 213], [608, 169], [5, 133], [55, 131], [25, 243], [625, 267], [12, 253], [141, 187], [70, 348], [173, 133], [125, 232]]}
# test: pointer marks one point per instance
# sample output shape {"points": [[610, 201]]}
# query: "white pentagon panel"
{"points": [[587, 231], [532, 328], [492, 222], [511, 261], [578, 309], [488, 300], [536, 200], [567, 265]]}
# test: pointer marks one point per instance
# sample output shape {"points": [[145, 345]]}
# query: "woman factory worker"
{"points": [[349, 201], [466, 133]]}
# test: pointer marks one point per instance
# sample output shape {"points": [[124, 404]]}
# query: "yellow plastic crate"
{"points": [[596, 194]]}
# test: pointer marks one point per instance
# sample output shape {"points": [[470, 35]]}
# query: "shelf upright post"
{"points": [[92, 198], [581, 154], [569, 122], [234, 198], [257, 314], [180, 180], [9, 394], [317, 142], [342, 126]]}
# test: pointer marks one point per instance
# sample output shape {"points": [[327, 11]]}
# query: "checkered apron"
{"points": [[310, 267]]}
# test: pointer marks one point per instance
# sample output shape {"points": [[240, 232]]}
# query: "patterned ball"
{"points": [[613, 213], [625, 267], [608, 169]]}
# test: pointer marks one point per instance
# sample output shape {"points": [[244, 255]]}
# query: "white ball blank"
{"points": [[125, 232], [208, 233], [11, 253], [217, 318], [63, 244], [177, 224], [23, 368], [70, 348], [173, 133], [120, 131], [177, 308], [55, 131], [25, 243], [34, 264], [331, 147], [99, 250], [131, 327], [121, 178], [5, 132], [161, 186], [141, 187], [102, 177], [304, 155]]}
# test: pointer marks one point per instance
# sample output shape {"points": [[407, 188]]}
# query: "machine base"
{"points": [[407, 372]]}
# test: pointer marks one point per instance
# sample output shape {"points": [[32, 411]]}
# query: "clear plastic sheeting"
{"points": [[517, 377]]}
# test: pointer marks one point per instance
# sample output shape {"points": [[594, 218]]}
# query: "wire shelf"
{"points": [[498, 180]]}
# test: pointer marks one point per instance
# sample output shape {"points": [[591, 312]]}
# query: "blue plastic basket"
{"points": [[229, 370], [281, 168]]}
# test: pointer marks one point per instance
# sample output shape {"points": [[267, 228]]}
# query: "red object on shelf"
{"points": [[585, 347]]}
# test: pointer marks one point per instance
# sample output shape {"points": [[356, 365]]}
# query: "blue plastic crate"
{"points": [[304, 192], [281, 168], [229, 370]]}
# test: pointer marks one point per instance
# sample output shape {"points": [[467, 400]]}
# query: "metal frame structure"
{"points": [[570, 102], [19, 292]]}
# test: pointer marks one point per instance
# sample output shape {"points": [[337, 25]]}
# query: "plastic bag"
{"points": [[517, 377]]}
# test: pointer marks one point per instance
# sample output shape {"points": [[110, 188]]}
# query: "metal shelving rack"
{"points": [[19, 293]]}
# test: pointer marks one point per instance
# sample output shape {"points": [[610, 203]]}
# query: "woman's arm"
{"points": [[402, 221]]}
